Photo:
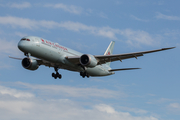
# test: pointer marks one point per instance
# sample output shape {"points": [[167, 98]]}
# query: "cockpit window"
{"points": [[25, 39]]}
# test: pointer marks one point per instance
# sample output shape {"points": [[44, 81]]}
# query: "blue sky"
{"points": [[151, 93]]}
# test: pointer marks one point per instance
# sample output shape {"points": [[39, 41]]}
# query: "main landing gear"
{"points": [[57, 75], [84, 74]]}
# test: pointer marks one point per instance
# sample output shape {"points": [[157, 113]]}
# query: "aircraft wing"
{"points": [[40, 62], [110, 58], [122, 69]]}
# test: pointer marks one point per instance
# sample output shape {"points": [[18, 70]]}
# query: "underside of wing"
{"points": [[110, 58], [102, 59], [40, 62], [123, 69], [73, 59]]}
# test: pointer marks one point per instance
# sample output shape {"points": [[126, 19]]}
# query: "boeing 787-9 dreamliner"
{"points": [[39, 51]]}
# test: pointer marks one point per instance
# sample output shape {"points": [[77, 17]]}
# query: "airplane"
{"points": [[39, 51]]}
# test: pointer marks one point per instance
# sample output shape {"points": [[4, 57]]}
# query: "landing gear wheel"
{"points": [[84, 74], [57, 75], [53, 74]]}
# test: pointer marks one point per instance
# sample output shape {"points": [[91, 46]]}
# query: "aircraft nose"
{"points": [[22, 45]]}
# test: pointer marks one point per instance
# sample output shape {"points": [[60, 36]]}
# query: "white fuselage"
{"points": [[56, 54]]}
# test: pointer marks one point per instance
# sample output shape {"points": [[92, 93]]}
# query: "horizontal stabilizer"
{"points": [[123, 69]]}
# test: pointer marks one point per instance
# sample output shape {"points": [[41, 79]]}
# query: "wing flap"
{"points": [[112, 58], [73, 59]]}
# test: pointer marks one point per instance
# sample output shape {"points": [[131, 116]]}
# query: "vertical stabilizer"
{"points": [[109, 50]]}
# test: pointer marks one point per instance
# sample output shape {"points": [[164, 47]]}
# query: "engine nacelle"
{"points": [[88, 60], [30, 64]]}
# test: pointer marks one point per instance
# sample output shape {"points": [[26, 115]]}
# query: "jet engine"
{"points": [[30, 64], [88, 60]]}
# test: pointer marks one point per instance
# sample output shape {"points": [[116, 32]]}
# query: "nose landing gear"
{"points": [[56, 75]]}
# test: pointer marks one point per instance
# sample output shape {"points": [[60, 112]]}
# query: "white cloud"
{"points": [[134, 110], [68, 8], [74, 26], [105, 108], [16, 107], [18, 5], [41, 108], [8, 47], [175, 106], [73, 91], [138, 19], [61, 109], [14, 93], [20, 34], [19, 22], [135, 38], [166, 17], [160, 101], [172, 34]]}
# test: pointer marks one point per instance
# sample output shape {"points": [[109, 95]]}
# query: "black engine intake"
{"points": [[30, 64], [88, 60]]}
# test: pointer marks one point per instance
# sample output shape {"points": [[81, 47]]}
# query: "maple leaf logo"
{"points": [[42, 40], [108, 53]]}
